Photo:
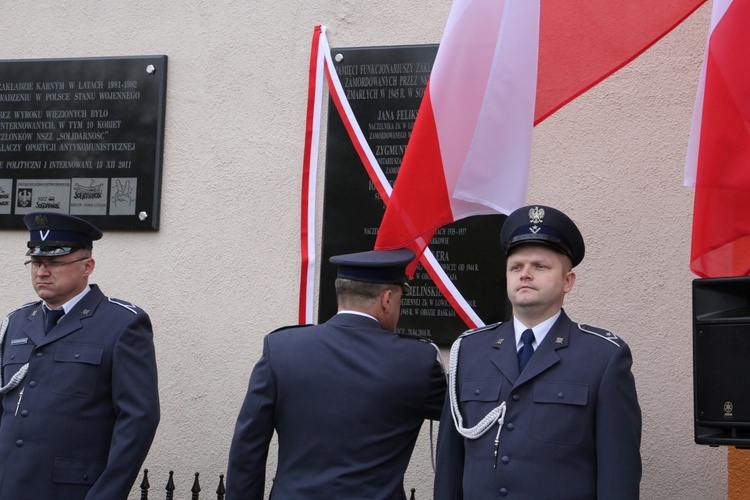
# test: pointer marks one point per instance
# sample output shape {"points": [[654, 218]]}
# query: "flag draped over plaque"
{"points": [[321, 63], [470, 149], [718, 159]]}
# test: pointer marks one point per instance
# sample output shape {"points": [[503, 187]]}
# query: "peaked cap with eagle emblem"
{"points": [[543, 225], [53, 233]]}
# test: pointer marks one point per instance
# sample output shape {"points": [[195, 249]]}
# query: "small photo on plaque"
{"points": [[6, 188], [50, 195], [23, 197], [88, 196], [123, 195]]}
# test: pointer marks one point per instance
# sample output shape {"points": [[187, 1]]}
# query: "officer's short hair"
{"points": [[352, 289]]}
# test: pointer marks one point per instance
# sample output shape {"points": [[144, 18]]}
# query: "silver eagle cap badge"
{"points": [[536, 215], [41, 221]]}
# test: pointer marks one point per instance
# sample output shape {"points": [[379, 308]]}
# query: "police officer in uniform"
{"points": [[347, 398], [80, 403], [540, 407]]}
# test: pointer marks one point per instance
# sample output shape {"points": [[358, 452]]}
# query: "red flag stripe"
{"points": [[721, 214], [582, 42], [309, 163]]}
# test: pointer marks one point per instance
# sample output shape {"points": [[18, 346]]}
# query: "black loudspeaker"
{"points": [[721, 361]]}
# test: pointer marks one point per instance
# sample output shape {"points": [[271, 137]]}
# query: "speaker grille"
{"points": [[722, 366]]}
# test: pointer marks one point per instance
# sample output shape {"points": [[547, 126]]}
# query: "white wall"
{"points": [[223, 269]]}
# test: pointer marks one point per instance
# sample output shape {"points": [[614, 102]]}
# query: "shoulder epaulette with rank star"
{"points": [[289, 327], [600, 332], [480, 329], [28, 304], [127, 305]]}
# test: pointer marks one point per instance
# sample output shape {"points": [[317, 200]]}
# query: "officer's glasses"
{"points": [[50, 265]]}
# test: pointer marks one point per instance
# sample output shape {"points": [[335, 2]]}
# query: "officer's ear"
{"points": [[386, 298], [570, 280], [89, 266]]}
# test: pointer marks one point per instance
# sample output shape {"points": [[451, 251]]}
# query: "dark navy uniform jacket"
{"points": [[347, 400], [572, 425], [90, 403]]}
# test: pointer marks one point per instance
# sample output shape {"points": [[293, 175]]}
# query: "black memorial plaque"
{"points": [[384, 86], [84, 137]]}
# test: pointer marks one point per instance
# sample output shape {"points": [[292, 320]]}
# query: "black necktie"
{"points": [[53, 316], [524, 354]]}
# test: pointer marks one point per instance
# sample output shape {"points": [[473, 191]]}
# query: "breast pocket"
{"points": [[75, 369], [560, 412], [477, 396], [15, 356]]}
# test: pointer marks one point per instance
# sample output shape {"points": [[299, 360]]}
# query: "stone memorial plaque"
{"points": [[83, 137], [384, 86]]}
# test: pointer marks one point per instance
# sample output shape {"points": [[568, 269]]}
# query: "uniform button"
{"points": [[12, 356], [477, 391], [32, 383], [560, 395], [516, 397], [25, 413], [503, 492], [505, 460], [19, 443], [40, 355], [510, 427], [76, 355], [85, 477]]}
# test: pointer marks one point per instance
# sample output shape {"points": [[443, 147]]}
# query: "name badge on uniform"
{"points": [[22, 341]]}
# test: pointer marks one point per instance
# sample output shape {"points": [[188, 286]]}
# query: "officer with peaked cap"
{"points": [[347, 397], [78, 382], [54, 234], [540, 406]]}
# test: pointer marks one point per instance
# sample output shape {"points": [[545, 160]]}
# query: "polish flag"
{"points": [[470, 148], [718, 159], [502, 67]]}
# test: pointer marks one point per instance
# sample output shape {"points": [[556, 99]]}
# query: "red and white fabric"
{"points": [[718, 159]]}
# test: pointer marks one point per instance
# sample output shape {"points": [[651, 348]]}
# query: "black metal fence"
{"points": [[195, 490]]}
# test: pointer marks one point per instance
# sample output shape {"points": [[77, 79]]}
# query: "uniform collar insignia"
{"points": [[559, 340], [86, 312], [499, 341]]}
